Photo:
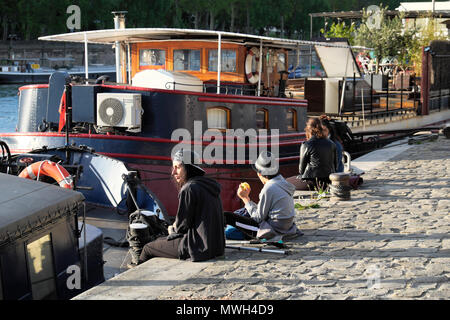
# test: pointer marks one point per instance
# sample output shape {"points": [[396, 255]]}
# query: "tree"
{"points": [[425, 35], [8, 18], [194, 10], [386, 36], [341, 30], [284, 18]]}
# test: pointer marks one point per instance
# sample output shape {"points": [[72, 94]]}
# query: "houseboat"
{"points": [[220, 94], [374, 103], [172, 91]]}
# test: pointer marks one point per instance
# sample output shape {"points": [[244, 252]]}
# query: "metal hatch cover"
{"points": [[26, 204], [339, 61]]}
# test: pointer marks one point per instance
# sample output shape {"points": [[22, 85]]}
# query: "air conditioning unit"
{"points": [[119, 110]]}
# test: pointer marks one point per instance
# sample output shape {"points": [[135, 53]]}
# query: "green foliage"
{"points": [[321, 189], [282, 18], [299, 206], [388, 39], [426, 34], [341, 30]]}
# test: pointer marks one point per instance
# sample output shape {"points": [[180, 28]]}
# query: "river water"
{"points": [[9, 101]]}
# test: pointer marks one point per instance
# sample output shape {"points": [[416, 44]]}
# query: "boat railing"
{"points": [[242, 89], [397, 93], [403, 91], [172, 85], [440, 99]]}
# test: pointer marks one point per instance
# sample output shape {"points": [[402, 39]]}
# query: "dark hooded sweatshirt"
{"points": [[200, 219]]}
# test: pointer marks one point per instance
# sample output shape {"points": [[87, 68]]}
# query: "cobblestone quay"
{"points": [[390, 241]]}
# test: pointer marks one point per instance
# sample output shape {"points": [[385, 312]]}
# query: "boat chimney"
{"points": [[119, 23], [119, 19]]}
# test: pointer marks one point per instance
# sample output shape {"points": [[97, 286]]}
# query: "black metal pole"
{"points": [[371, 92], [387, 94], [341, 92], [414, 92], [440, 84], [401, 91], [354, 92], [68, 90]]}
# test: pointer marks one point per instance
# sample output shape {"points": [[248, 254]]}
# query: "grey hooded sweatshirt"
{"points": [[275, 201]]}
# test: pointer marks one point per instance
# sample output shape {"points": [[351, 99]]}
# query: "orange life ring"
{"points": [[51, 169], [252, 77]]}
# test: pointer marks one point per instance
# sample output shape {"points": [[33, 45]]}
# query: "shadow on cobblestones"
{"points": [[406, 183], [363, 235], [343, 244]]}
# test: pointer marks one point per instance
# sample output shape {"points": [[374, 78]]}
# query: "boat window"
{"points": [[291, 119], [228, 61], [186, 60], [152, 57], [218, 118], [262, 117], [281, 63], [40, 268]]}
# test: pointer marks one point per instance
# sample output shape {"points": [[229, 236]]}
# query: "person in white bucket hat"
{"points": [[275, 212]]}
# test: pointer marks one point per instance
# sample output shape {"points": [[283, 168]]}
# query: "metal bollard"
{"points": [[348, 163], [340, 188]]}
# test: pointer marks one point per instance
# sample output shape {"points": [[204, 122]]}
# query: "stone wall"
{"points": [[98, 54]]}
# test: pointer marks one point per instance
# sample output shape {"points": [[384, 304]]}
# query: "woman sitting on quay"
{"points": [[318, 159]]}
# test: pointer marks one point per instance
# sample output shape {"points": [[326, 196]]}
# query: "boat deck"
{"points": [[376, 116], [384, 106], [114, 228]]}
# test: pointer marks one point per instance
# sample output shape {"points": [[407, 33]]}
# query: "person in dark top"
{"points": [[318, 159], [332, 135], [198, 231], [354, 180]]}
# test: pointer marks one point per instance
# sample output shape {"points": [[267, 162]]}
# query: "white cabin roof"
{"points": [[135, 35]]}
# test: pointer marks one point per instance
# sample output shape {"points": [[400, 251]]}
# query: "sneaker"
{"points": [[293, 235], [135, 252], [131, 265]]}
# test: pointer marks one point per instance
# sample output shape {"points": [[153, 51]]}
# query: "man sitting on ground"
{"points": [[274, 214]]}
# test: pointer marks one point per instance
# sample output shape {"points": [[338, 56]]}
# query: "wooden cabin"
{"points": [[199, 58]]}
